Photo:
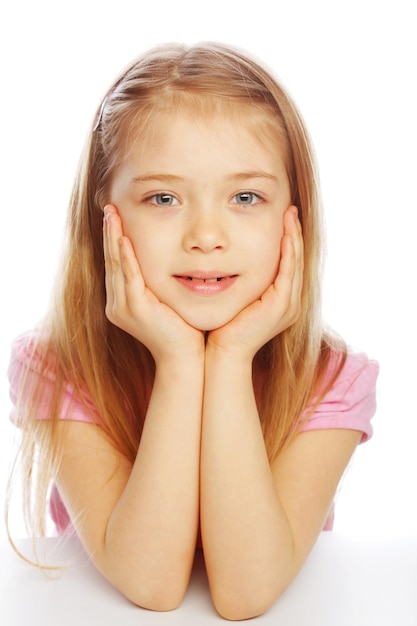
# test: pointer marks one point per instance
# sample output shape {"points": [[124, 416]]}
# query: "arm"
{"points": [[258, 521], [139, 523]]}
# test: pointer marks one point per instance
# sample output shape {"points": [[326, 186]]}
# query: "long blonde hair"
{"points": [[104, 364]]}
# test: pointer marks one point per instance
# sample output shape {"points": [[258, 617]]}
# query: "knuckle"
{"points": [[114, 265], [109, 312]]}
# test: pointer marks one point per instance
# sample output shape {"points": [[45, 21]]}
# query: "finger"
{"points": [[128, 285], [130, 267], [292, 228], [289, 280], [107, 266], [114, 233], [287, 269], [114, 271], [287, 264]]}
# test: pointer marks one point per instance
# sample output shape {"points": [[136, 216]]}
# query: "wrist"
{"points": [[231, 359], [180, 365], [172, 354], [238, 353]]}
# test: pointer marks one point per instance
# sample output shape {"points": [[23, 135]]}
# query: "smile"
{"points": [[205, 280], [202, 284]]}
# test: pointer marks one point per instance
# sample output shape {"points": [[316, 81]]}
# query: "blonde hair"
{"points": [[104, 364]]}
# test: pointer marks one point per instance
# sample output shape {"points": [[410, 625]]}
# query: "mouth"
{"points": [[206, 283], [216, 279], [205, 277]]}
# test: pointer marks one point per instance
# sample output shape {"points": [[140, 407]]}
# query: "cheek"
{"points": [[147, 257], [153, 255], [144, 244], [273, 265], [270, 255]]}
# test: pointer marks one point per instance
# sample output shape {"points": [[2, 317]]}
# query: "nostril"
{"points": [[205, 235]]}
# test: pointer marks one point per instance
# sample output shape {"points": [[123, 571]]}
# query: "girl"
{"points": [[182, 390]]}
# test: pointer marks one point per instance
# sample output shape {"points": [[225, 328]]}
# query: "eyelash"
{"points": [[154, 199], [254, 197]]}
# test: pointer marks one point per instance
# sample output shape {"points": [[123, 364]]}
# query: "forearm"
{"points": [[246, 537], [151, 533]]}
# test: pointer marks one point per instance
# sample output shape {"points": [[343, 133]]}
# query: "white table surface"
{"points": [[346, 581]]}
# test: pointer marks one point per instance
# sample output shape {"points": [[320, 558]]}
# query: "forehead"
{"points": [[221, 122]]}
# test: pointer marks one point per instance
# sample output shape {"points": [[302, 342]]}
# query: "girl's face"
{"points": [[202, 199]]}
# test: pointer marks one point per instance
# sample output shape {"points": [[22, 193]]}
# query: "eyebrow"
{"points": [[253, 174], [172, 178], [168, 178]]}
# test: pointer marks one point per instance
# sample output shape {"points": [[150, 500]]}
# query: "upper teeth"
{"points": [[206, 280]]}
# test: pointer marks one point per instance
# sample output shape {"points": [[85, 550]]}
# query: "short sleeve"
{"points": [[351, 402], [25, 373]]}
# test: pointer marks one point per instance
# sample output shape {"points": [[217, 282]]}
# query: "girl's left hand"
{"points": [[278, 307]]}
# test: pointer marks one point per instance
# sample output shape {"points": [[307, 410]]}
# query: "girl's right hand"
{"points": [[133, 307]]}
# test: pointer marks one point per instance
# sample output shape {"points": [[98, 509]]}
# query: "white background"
{"points": [[351, 67]]}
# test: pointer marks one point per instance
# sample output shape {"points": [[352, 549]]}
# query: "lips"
{"points": [[206, 283], [205, 280]]}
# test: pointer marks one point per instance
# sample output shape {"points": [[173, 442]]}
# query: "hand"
{"points": [[278, 307], [133, 307]]}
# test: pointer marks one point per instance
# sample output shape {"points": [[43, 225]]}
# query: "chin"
{"points": [[206, 325], [207, 320], [205, 328]]}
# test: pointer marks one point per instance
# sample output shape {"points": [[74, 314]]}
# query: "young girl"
{"points": [[182, 391]]}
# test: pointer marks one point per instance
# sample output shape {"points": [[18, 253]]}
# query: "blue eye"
{"points": [[246, 198], [164, 199]]}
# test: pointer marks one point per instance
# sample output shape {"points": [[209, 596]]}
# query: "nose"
{"points": [[205, 232]]}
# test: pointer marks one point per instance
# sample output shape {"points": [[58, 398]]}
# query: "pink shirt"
{"points": [[350, 404]]}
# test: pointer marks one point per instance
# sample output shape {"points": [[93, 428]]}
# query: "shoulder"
{"points": [[351, 401], [22, 348], [25, 360], [358, 375], [33, 383]]}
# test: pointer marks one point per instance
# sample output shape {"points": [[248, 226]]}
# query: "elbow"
{"points": [[246, 598], [159, 598], [156, 603], [154, 590], [154, 586], [239, 607], [241, 611]]}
